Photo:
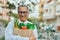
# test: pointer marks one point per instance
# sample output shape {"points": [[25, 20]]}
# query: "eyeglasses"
{"points": [[24, 12]]}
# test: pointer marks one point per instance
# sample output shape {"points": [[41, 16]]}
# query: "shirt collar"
{"points": [[22, 22]]}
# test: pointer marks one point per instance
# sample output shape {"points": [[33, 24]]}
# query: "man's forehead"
{"points": [[22, 8]]}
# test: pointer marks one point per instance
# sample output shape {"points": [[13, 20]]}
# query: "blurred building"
{"points": [[41, 4], [50, 12], [4, 10]]}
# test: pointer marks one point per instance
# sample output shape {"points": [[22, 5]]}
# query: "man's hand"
{"points": [[32, 37]]}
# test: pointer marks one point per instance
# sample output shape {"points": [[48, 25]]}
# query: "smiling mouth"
{"points": [[22, 16]]}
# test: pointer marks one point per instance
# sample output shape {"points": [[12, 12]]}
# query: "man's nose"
{"points": [[22, 14]]}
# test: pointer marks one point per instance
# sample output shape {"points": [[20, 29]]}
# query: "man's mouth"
{"points": [[22, 16]]}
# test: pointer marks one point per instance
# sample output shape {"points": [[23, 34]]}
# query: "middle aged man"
{"points": [[23, 15]]}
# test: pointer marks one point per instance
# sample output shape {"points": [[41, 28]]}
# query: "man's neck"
{"points": [[22, 20]]}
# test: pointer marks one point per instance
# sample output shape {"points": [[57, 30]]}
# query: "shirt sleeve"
{"points": [[35, 32], [9, 33]]}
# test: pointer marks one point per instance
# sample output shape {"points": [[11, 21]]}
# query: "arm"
{"points": [[9, 31], [35, 33], [34, 36]]}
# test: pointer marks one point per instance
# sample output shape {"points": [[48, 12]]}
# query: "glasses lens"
{"points": [[22, 12]]}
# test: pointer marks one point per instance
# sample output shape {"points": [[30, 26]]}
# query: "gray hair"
{"points": [[22, 6]]}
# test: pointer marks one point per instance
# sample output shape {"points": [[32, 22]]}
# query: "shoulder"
{"points": [[31, 23], [10, 23]]}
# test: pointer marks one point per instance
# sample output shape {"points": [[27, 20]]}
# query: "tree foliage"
{"points": [[11, 5]]}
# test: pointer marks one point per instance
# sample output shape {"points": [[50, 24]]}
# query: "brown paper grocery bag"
{"points": [[22, 33]]}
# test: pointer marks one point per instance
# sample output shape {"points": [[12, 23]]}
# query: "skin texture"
{"points": [[32, 37], [23, 15]]}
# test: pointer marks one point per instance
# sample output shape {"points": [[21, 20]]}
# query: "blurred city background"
{"points": [[44, 13]]}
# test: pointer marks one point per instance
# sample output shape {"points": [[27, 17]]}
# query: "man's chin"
{"points": [[23, 20]]}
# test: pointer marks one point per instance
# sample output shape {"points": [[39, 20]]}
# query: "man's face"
{"points": [[23, 13]]}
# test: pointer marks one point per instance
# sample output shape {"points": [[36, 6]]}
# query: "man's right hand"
{"points": [[32, 37]]}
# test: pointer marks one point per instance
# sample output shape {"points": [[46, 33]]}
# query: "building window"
{"points": [[49, 1], [58, 9], [58, 28]]}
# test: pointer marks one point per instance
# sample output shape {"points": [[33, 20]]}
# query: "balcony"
{"points": [[57, 9], [48, 16]]}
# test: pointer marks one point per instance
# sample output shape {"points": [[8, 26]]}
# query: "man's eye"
{"points": [[22, 12], [19, 12]]}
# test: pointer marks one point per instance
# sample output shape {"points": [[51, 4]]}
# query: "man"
{"points": [[23, 15]]}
